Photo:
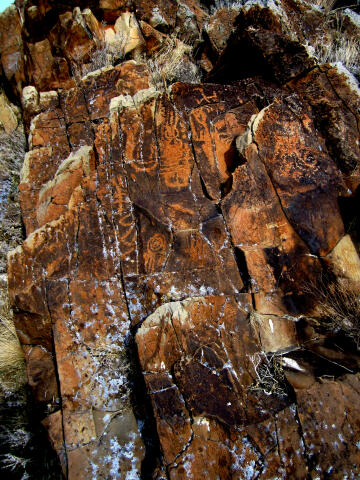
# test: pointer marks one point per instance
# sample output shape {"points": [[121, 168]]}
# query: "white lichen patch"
{"points": [[120, 450]]}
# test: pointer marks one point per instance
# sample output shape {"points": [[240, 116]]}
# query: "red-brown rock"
{"points": [[197, 216]]}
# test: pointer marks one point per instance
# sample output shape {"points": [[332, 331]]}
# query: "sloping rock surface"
{"points": [[196, 215]]}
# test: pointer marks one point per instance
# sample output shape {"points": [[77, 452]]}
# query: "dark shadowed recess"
{"points": [[350, 212], [243, 270], [353, 4], [317, 355], [39, 28], [141, 405], [23, 437]]}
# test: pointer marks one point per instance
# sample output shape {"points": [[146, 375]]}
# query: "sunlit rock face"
{"points": [[174, 231]]}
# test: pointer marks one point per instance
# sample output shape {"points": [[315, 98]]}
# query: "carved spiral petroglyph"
{"points": [[157, 243]]}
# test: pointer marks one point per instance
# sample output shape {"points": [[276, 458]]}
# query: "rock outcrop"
{"points": [[194, 219]]}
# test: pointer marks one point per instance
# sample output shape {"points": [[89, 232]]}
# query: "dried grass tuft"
{"points": [[335, 44], [172, 64], [340, 48], [338, 307], [12, 364], [327, 5], [226, 4]]}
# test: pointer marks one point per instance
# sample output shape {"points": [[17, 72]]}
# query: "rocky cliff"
{"points": [[187, 295]]}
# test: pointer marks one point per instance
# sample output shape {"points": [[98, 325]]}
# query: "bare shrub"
{"points": [[17, 437], [13, 462], [269, 372]]}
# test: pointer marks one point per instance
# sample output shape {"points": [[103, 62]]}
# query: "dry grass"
{"points": [[340, 48], [12, 366], [173, 64], [335, 44], [327, 5], [338, 308], [227, 4], [105, 56]]}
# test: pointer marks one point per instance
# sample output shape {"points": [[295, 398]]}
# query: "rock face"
{"points": [[191, 218]]}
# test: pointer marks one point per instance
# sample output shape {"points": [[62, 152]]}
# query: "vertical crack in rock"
{"points": [[65, 463], [303, 441], [243, 269], [196, 162], [143, 410], [173, 464]]}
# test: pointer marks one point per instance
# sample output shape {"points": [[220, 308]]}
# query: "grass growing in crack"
{"points": [[340, 49], [106, 56]]}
